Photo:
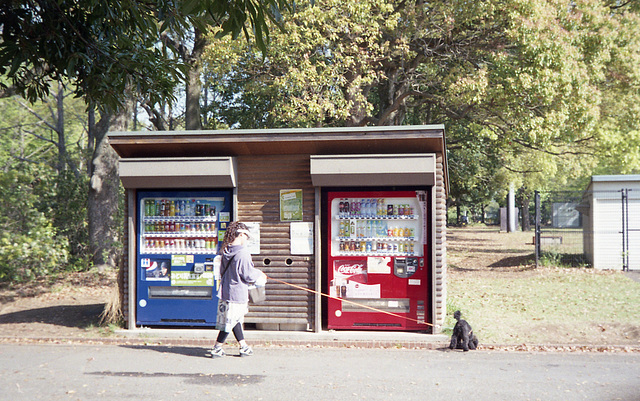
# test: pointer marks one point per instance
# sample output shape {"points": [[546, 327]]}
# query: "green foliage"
{"points": [[68, 210], [29, 244], [535, 93], [108, 48]]}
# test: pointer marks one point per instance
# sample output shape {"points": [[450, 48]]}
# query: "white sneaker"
{"points": [[217, 352], [246, 351]]}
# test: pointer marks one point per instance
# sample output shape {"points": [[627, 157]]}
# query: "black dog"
{"points": [[462, 337]]}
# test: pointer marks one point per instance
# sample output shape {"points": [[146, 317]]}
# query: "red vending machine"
{"points": [[377, 269]]}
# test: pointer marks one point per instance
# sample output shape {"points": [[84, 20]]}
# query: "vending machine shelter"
{"points": [[357, 214], [377, 267]]}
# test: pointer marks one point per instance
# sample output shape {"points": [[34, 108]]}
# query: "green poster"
{"points": [[290, 205]]}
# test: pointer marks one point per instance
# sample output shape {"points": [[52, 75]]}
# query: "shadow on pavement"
{"points": [[62, 315]]}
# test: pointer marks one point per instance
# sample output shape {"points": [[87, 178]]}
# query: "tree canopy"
{"points": [[108, 48], [526, 89]]}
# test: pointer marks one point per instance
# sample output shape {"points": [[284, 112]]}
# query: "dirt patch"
{"points": [[488, 251], [67, 306]]}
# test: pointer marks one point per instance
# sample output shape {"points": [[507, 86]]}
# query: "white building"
{"points": [[611, 222]]}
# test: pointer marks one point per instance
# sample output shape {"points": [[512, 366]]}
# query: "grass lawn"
{"points": [[514, 303]]}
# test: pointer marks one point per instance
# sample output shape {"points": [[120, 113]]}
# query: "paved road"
{"points": [[112, 372]]}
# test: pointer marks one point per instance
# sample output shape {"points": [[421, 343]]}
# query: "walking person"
{"points": [[237, 273]]}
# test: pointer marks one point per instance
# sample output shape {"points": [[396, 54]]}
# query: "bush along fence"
{"points": [[600, 229]]}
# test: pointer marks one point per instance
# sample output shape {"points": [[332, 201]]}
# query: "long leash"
{"points": [[350, 302]]}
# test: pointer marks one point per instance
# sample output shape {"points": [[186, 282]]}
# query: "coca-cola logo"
{"points": [[350, 269]]}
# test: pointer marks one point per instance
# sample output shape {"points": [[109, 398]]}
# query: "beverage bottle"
{"points": [[341, 230], [346, 208], [341, 208], [352, 231]]}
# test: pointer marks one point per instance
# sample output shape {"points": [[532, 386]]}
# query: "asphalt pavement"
{"points": [[161, 372]]}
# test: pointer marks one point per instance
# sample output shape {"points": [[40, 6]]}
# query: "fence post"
{"points": [[625, 229], [538, 219]]}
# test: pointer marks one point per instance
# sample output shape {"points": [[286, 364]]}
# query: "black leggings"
{"points": [[237, 331]]}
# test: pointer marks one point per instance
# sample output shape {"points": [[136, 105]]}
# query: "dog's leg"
{"points": [[465, 341], [454, 341], [473, 342]]}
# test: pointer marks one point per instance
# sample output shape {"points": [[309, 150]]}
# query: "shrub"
{"points": [[36, 253]]}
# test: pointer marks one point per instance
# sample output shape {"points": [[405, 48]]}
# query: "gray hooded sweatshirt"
{"points": [[238, 275]]}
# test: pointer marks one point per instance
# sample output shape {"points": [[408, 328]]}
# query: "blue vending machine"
{"points": [[179, 234]]}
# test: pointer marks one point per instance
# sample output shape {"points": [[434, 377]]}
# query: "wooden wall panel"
{"points": [[260, 180]]}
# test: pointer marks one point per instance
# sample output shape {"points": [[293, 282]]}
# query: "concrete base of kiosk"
{"points": [[341, 338], [282, 327]]}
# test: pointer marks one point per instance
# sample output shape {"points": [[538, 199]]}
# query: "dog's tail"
{"points": [[456, 315]]}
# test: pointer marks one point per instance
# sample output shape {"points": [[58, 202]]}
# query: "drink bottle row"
{"points": [[160, 227], [179, 208], [179, 244], [371, 208], [372, 229], [377, 247]]}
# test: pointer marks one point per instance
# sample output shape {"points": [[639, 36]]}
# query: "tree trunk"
{"points": [[62, 148], [194, 84], [104, 193]]}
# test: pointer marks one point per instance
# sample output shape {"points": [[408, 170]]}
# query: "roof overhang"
{"points": [[183, 172], [374, 170], [406, 139]]}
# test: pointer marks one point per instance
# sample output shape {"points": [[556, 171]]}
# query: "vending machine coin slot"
{"points": [[405, 267], [198, 268]]}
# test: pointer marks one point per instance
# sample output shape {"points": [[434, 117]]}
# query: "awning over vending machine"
{"points": [[196, 172], [373, 170]]}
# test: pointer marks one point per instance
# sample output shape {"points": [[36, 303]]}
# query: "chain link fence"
{"points": [[588, 228]]}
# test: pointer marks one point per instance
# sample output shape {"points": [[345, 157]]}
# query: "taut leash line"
{"points": [[350, 302]]}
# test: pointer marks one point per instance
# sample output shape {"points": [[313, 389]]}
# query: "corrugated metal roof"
{"points": [[615, 178]]}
